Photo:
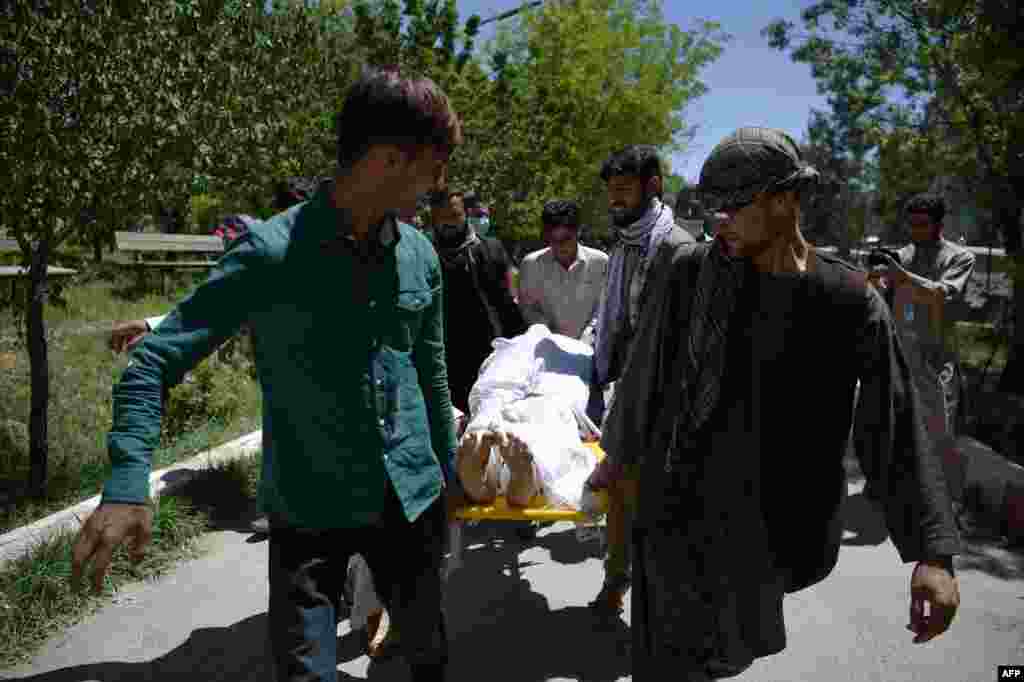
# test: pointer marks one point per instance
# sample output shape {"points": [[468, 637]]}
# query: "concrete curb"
{"points": [[22, 540]]}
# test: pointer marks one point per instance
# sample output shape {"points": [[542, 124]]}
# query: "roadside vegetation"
{"points": [[217, 402], [36, 596]]}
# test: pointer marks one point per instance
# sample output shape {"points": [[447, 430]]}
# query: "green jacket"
{"points": [[349, 349]]}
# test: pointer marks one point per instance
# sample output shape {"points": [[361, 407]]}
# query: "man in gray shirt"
{"points": [[560, 286], [928, 285]]}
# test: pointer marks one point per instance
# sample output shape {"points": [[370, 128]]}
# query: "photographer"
{"points": [[924, 284]]}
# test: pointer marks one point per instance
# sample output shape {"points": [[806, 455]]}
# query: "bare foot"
{"points": [[522, 485], [471, 465]]}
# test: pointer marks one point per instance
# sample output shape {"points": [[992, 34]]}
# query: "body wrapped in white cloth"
{"points": [[527, 416]]}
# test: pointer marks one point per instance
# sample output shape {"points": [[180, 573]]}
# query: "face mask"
{"points": [[450, 232]]}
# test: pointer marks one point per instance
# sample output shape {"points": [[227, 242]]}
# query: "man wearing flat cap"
{"points": [[735, 408]]}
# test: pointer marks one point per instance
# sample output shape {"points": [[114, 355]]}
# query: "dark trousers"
{"points": [[307, 574]]}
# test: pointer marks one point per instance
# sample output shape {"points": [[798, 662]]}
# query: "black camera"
{"points": [[877, 257]]}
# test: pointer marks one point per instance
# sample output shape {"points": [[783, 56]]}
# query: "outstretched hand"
{"points": [[934, 599], [103, 532], [894, 271], [125, 335]]}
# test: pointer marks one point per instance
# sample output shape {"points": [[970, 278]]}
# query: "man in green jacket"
{"points": [[346, 311]]}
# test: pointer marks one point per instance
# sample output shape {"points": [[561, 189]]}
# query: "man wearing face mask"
{"points": [[642, 225], [478, 304], [738, 433]]}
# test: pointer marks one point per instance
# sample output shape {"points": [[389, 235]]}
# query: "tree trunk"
{"points": [[39, 368], [97, 249]]}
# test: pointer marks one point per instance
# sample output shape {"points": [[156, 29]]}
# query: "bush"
{"points": [[209, 393], [206, 212]]}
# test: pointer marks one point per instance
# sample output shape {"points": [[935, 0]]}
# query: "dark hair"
{"points": [[383, 107], [639, 160], [440, 198], [561, 212], [932, 204]]}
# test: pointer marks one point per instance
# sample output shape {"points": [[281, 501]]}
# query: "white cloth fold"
{"points": [[535, 386]]}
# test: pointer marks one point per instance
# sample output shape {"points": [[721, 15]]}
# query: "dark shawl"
{"points": [[820, 333]]}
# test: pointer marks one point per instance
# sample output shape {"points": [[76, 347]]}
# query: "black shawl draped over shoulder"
{"points": [[813, 336]]}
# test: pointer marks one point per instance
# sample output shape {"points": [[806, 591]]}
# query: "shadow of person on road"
{"points": [[864, 521], [236, 653], [985, 547], [500, 629], [565, 548]]}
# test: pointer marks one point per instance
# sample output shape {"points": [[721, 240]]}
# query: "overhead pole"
{"points": [[512, 12]]}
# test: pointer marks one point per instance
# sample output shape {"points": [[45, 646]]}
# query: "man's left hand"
{"points": [[894, 272], [934, 588], [125, 335]]}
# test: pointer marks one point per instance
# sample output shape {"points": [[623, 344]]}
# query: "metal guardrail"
{"points": [[976, 250]]}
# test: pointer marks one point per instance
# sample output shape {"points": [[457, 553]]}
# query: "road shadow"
{"points": [[499, 629], [986, 549], [566, 549], [227, 654]]}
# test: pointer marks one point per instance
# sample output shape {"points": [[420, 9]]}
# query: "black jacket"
{"points": [[478, 308]]}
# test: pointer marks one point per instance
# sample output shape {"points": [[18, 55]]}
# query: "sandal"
{"points": [[384, 643]]}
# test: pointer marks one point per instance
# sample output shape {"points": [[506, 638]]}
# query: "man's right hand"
{"points": [[877, 278], [105, 530], [125, 335]]}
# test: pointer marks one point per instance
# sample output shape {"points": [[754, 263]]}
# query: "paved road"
{"points": [[517, 613]]}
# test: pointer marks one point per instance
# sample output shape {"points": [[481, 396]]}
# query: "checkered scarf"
{"points": [[628, 268], [714, 299]]}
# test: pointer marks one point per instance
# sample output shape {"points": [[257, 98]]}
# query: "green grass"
{"points": [[83, 371], [36, 596], [978, 344]]}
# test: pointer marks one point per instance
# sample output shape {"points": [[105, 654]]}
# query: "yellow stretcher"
{"points": [[538, 510]]}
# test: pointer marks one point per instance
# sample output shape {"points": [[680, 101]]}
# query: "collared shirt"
{"points": [[950, 266], [566, 300], [349, 349]]}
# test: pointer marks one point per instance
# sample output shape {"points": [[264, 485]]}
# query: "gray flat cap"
{"points": [[749, 161]]}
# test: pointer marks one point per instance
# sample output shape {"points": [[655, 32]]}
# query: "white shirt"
{"points": [[565, 300]]}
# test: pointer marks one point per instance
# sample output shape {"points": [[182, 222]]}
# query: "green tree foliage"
{"points": [[113, 110], [571, 83], [960, 65], [91, 110], [827, 212], [271, 87]]}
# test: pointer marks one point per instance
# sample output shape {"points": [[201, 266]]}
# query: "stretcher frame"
{"points": [[500, 510], [538, 510]]}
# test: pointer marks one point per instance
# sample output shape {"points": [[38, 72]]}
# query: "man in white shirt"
{"points": [[560, 286]]}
